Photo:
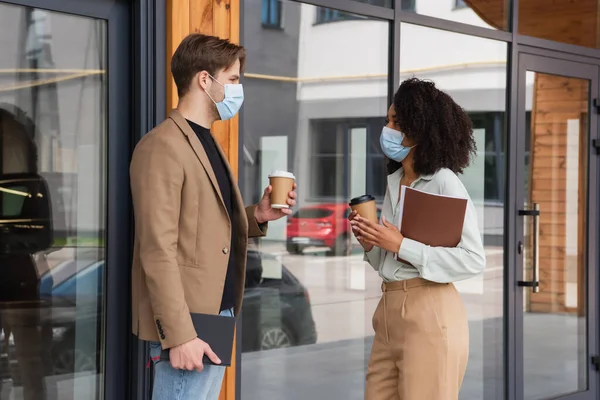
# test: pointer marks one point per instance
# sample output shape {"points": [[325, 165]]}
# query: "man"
{"points": [[191, 226]]}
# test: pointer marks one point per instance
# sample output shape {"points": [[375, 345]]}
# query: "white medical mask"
{"points": [[391, 144], [232, 102]]}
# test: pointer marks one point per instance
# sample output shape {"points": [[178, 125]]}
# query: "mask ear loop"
{"points": [[206, 91]]}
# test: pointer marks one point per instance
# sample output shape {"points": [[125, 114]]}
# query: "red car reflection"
{"points": [[322, 225]]}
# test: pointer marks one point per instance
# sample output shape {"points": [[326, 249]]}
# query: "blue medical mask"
{"points": [[232, 102], [391, 144]]}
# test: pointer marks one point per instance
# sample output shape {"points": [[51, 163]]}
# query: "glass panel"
{"points": [[314, 106], [572, 22], [52, 202], [554, 345], [483, 13], [476, 80]]}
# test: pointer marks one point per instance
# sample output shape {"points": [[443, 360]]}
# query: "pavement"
{"points": [[336, 370], [344, 292]]}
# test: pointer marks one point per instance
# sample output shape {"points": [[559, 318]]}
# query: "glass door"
{"points": [[555, 222], [64, 150]]}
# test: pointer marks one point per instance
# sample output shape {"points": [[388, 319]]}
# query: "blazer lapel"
{"points": [[198, 149]]}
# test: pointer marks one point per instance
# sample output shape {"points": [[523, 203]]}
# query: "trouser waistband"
{"points": [[404, 285]]}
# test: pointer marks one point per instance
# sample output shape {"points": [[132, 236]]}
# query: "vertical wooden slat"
{"points": [[201, 16], [234, 131], [212, 17], [178, 27], [221, 28]]}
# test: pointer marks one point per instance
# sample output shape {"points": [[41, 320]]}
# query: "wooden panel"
{"points": [[556, 100], [212, 17], [573, 22], [178, 27]]}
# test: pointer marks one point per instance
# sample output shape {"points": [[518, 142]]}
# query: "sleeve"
{"points": [[254, 228], [444, 264], [373, 257], [156, 182]]}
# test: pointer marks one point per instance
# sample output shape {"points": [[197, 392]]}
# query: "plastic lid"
{"points": [[361, 199], [282, 174]]}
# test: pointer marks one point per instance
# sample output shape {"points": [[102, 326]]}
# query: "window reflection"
{"points": [[473, 71], [52, 201], [314, 106], [482, 13]]}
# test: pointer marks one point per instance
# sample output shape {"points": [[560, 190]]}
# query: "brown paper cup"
{"points": [[282, 183], [365, 207]]}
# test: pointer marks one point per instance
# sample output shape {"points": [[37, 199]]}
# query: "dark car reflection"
{"points": [[276, 311]]}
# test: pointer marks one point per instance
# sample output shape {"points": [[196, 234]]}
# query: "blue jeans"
{"points": [[176, 384]]}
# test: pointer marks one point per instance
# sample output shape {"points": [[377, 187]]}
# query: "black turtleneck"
{"points": [[218, 165]]}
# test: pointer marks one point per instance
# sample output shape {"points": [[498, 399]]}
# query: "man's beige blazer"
{"points": [[182, 234]]}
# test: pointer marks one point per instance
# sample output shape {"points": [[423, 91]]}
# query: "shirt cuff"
{"points": [[372, 263], [366, 254], [413, 252]]}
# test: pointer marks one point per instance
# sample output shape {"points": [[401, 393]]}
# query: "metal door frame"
{"points": [[543, 61]]}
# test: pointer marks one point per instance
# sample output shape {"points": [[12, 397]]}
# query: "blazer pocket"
{"points": [[188, 264]]}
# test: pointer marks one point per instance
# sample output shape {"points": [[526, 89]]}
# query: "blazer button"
{"points": [[225, 250]]}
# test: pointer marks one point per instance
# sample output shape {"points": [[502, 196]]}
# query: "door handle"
{"points": [[534, 284]]}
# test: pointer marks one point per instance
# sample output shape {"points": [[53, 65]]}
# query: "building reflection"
{"points": [[25, 237]]}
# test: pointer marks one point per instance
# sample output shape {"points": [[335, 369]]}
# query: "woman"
{"points": [[421, 344]]}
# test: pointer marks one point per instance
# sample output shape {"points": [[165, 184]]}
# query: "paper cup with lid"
{"points": [[365, 207], [282, 183]]}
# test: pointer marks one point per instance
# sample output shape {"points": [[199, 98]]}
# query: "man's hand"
{"points": [[386, 236], [264, 212], [189, 355], [366, 246]]}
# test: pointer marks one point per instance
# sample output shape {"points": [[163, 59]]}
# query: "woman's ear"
{"points": [[407, 141]]}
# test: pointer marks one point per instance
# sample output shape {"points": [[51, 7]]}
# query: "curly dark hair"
{"points": [[441, 129]]}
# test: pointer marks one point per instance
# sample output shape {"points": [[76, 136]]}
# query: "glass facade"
{"points": [[473, 71], [317, 95], [52, 246], [325, 105], [317, 85]]}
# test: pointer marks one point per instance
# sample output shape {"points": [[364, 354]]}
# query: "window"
{"points": [[13, 199], [409, 5], [271, 13], [349, 150], [484, 178], [325, 15], [45, 146], [492, 123], [460, 4]]}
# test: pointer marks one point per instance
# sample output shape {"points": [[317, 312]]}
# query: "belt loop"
{"points": [[383, 287], [404, 286]]}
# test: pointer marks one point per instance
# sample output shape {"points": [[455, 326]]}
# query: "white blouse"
{"points": [[437, 264]]}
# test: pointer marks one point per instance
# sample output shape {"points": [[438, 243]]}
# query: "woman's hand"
{"points": [[352, 217], [385, 236]]}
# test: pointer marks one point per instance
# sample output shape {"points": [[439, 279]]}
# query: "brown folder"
{"points": [[432, 219]]}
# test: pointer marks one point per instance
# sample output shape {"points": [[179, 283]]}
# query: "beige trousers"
{"points": [[421, 344]]}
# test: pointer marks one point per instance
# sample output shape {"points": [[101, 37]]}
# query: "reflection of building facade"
{"points": [[81, 81], [342, 99]]}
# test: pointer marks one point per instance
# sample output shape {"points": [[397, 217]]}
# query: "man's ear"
{"points": [[203, 79]]}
